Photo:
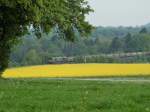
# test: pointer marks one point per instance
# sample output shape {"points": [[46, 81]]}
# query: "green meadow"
{"points": [[46, 95]]}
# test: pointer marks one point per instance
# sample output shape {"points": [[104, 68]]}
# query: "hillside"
{"points": [[111, 32]]}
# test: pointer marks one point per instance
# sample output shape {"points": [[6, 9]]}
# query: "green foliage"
{"points": [[116, 45], [137, 43], [128, 46], [112, 32], [17, 17], [143, 30], [32, 58], [53, 46]]}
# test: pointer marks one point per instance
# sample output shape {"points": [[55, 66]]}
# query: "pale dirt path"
{"points": [[146, 80], [117, 80], [109, 79]]}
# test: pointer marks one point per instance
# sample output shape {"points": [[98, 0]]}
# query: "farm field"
{"points": [[45, 95], [78, 70]]}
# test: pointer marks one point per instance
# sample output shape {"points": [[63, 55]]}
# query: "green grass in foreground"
{"points": [[43, 95]]}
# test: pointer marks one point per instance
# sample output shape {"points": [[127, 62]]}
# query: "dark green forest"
{"points": [[102, 40]]}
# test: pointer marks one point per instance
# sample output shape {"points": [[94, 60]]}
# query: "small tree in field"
{"points": [[16, 16]]}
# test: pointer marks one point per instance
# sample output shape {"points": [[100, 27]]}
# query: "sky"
{"points": [[119, 12]]}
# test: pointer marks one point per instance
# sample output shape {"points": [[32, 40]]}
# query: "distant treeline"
{"points": [[103, 40]]}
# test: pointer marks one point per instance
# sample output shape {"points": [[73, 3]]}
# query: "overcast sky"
{"points": [[119, 12]]}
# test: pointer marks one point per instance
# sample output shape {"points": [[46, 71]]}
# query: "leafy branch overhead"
{"points": [[17, 16], [66, 15]]}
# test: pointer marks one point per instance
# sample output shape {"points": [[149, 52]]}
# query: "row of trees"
{"points": [[132, 43], [32, 51]]}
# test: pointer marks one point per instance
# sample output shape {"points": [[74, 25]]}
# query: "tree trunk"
{"points": [[4, 50]]}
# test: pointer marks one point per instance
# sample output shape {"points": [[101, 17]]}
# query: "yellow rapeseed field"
{"points": [[78, 70]]}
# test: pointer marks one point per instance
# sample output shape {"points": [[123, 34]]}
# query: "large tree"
{"points": [[18, 16]]}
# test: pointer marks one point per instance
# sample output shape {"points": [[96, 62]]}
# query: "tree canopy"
{"points": [[17, 17]]}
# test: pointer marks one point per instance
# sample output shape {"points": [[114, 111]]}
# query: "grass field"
{"points": [[78, 70], [45, 95]]}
